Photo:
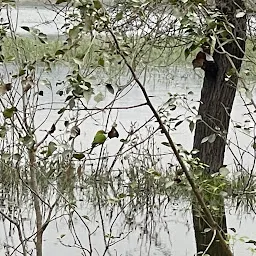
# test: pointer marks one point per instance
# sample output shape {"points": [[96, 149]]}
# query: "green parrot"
{"points": [[99, 139]]}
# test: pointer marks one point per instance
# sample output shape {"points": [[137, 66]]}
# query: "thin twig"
{"points": [[195, 189]]}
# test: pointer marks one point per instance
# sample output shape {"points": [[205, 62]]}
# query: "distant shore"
{"points": [[40, 2]]}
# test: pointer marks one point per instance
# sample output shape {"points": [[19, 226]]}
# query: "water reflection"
{"points": [[145, 220], [37, 17]]}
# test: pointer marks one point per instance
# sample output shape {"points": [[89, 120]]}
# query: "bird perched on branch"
{"points": [[99, 139], [206, 62]]}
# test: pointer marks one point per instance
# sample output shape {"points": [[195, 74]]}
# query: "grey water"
{"points": [[171, 229]]}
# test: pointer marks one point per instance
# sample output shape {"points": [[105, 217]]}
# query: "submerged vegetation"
{"points": [[32, 49], [76, 148]]}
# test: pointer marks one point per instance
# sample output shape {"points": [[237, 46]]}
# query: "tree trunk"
{"points": [[203, 236], [217, 97]]}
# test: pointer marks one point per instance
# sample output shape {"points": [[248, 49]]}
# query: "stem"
{"points": [[22, 241], [212, 223], [34, 187]]}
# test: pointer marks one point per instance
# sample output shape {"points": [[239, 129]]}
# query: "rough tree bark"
{"points": [[217, 97]]}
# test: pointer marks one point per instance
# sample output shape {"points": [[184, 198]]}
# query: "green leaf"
{"points": [[61, 1], [46, 83], [251, 242], [11, 2], [101, 62], [123, 141], [25, 28], [27, 140], [187, 52], [69, 98], [42, 40], [78, 156], [178, 123], [204, 139], [224, 171], [3, 131], [103, 18], [169, 184], [16, 157], [22, 72], [119, 16], [74, 32], [110, 88], [51, 148], [99, 97], [59, 52], [121, 196], [240, 15], [86, 217], [5, 156], [212, 138], [8, 112], [60, 92], [172, 107], [191, 126], [97, 4], [71, 103], [61, 110], [223, 194], [2, 58], [167, 144]]}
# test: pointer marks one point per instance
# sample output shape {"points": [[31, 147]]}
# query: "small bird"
{"points": [[99, 139], [74, 132]]}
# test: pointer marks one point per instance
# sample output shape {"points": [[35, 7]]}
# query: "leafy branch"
{"points": [[211, 221]]}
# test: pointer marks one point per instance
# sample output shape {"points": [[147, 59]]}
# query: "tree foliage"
{"points": [[107, 49]]}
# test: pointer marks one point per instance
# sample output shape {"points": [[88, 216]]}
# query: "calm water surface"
{"points": [[172, 230]]}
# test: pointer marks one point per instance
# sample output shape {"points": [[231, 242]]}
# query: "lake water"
{"points": [[170, 230]]}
